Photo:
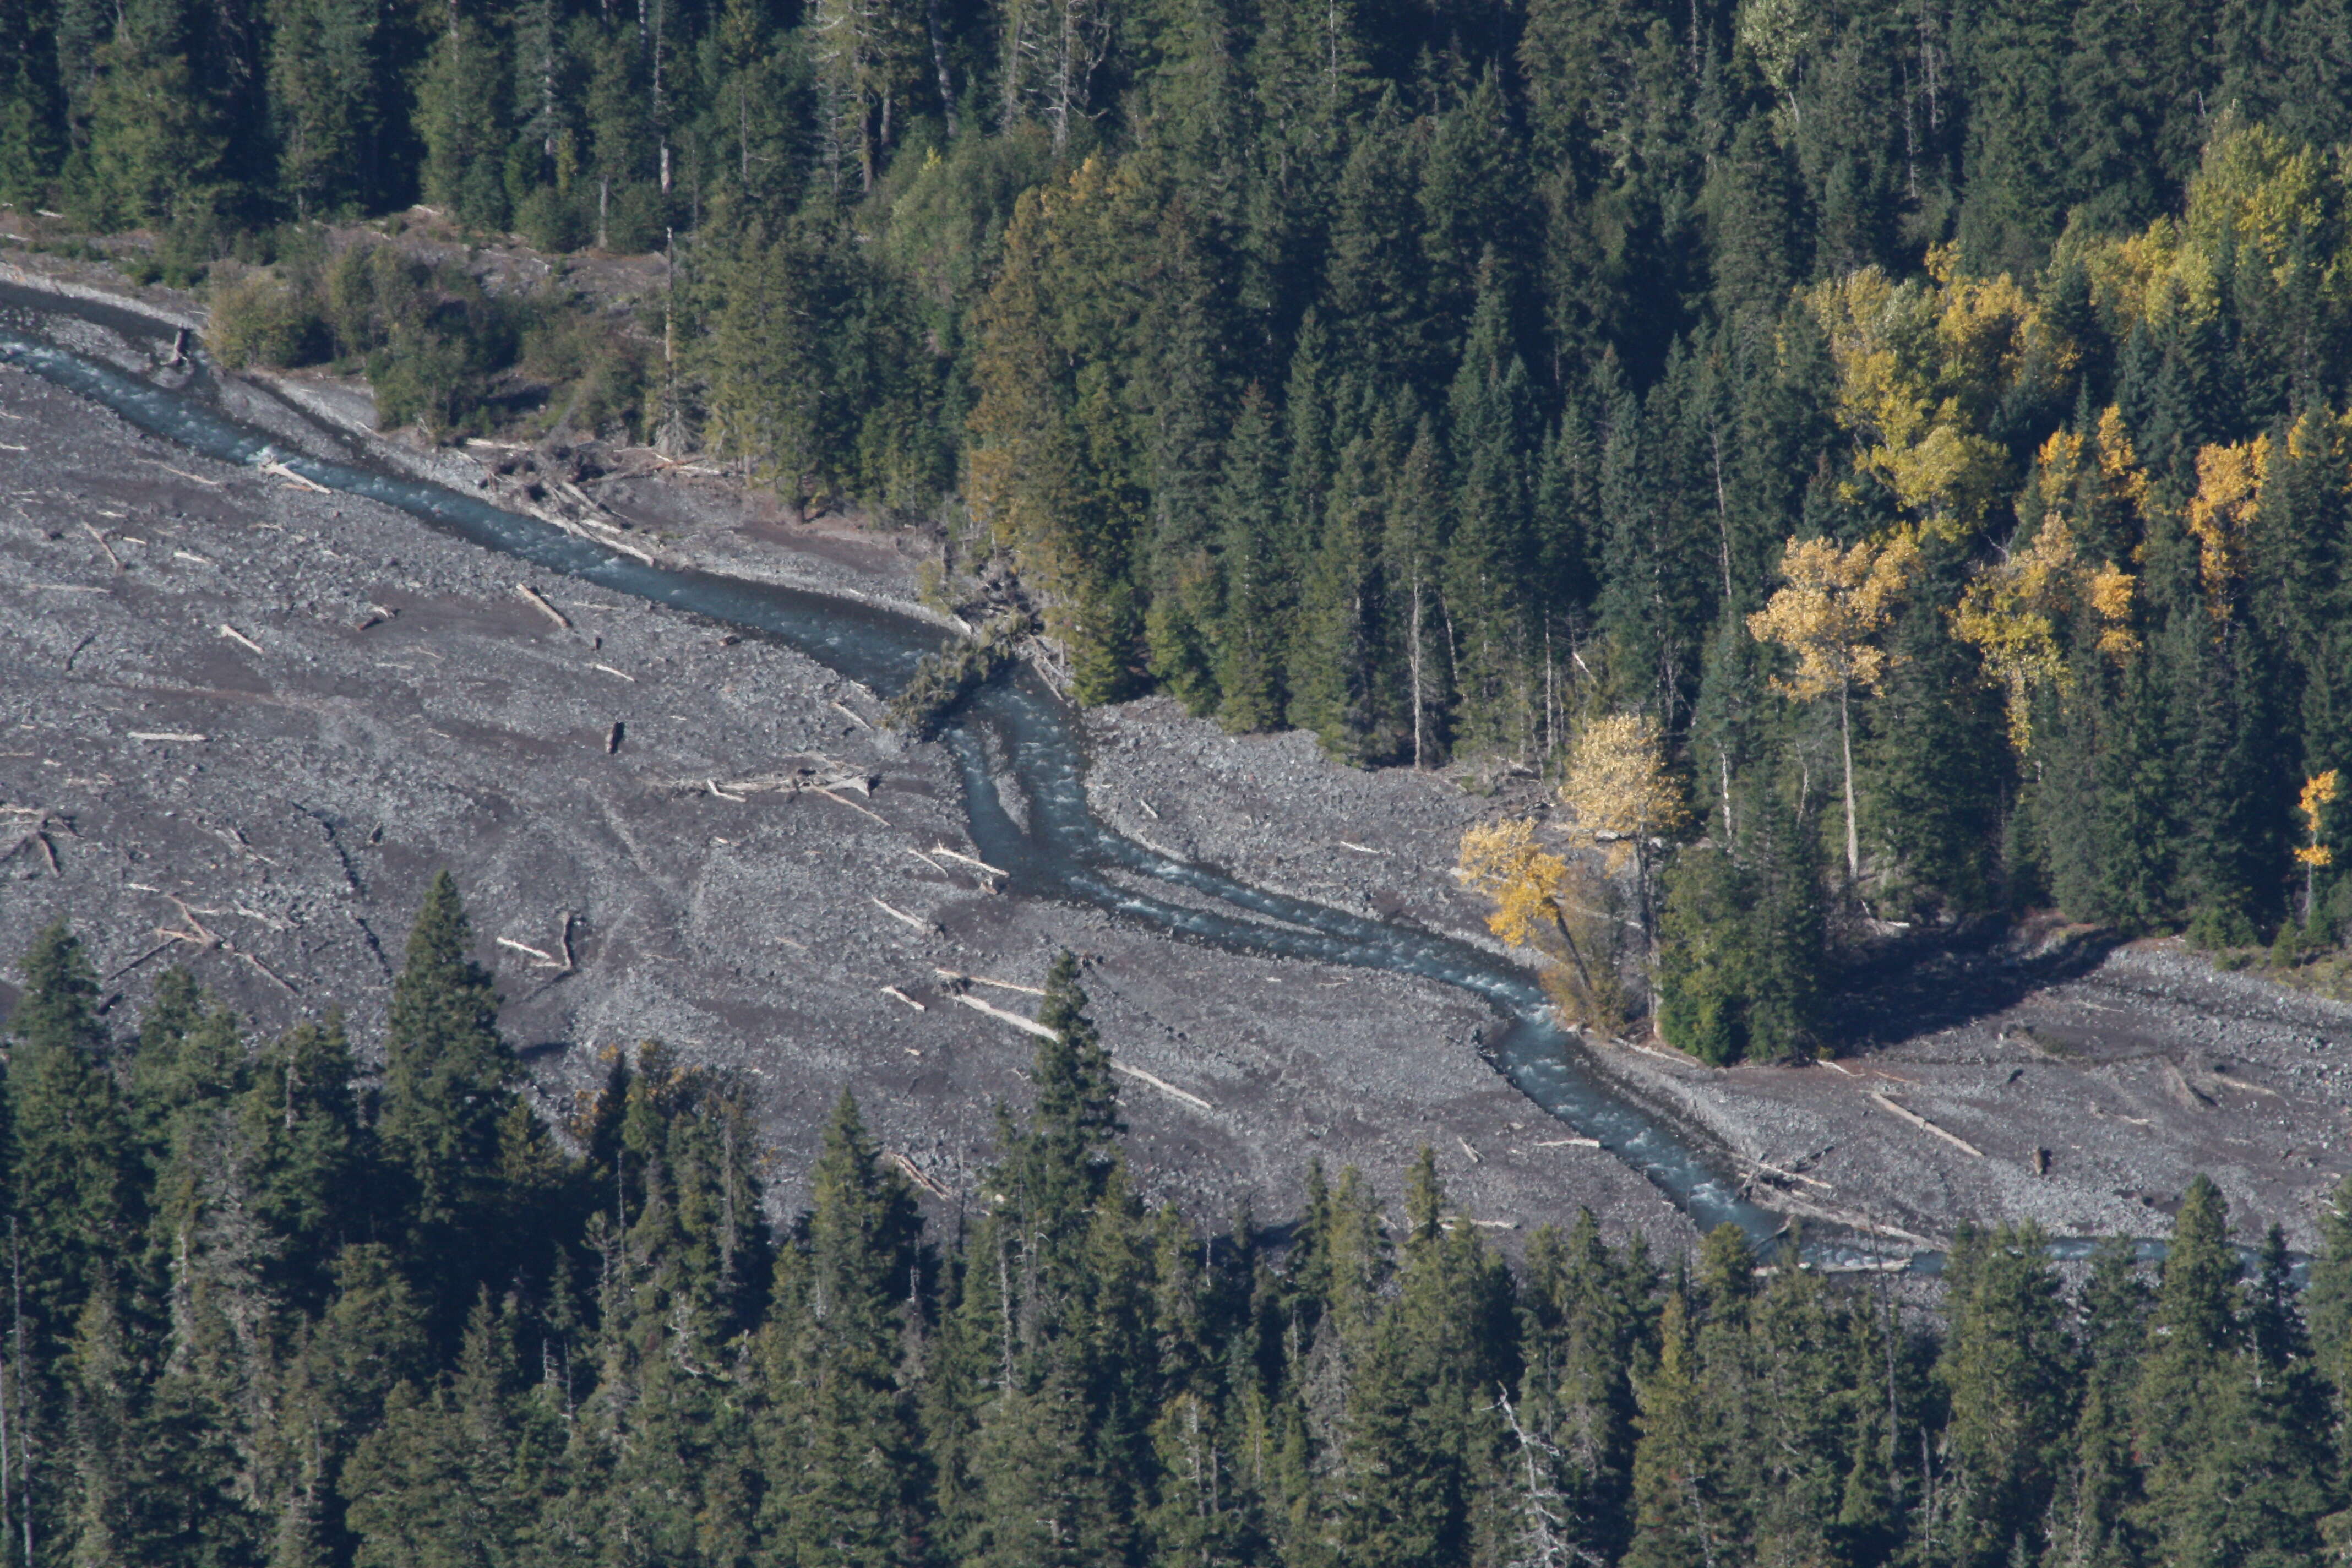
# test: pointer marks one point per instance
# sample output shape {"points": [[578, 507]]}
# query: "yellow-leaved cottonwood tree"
{"points": [[1833, 603], [2317, 791], [2017, 611], [1536, 893], [1624, 800], [1621, 795], [1922, 366], [2229, 493]]}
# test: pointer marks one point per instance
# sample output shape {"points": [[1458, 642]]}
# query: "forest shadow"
{"points": [[1949, 980]]}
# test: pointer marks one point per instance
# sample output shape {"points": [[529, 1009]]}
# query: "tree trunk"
{"points": [[1575, 953], [940, 65], [1416, 677], [1852, 834]]}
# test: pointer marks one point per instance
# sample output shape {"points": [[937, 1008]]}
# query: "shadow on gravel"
{"points": [[1949, 979]]}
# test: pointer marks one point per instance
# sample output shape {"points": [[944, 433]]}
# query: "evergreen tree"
{"points": [[325, 65], [158, 151], [462, 105], [1493, 431], [2010, 1371], [1420, 1429], [845, 1469], [2233, 1455], [311, 1160], [447, 1088], [74, 1172], [1253, 560]]}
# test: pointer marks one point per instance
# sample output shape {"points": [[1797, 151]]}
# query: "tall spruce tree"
{"points": [[448, 1088], [75, 1190]]}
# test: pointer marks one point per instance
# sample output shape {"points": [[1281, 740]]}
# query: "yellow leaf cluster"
{"points": [[2258, 196], [1920, 367], [2016, 613], [2317, 791], [1617, 786], [2156, 275], [2229, 493], [1503, 860], [2119, 468], [1832, 603]]}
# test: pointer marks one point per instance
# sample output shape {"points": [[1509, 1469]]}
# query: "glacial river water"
{"points": [[1016, 726]]}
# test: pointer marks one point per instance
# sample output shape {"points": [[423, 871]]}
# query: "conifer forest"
{"points": [[265, 1306]]}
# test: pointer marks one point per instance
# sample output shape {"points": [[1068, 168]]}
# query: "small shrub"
{"points": [[421, 378], [551, 220], [2219, 926], [601, 375], [961, 667], [260, 319], [184, 252]]}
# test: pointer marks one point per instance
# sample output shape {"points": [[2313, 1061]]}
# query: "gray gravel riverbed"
{"points": [[376, 702]]}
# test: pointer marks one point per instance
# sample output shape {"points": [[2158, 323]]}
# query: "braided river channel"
{"points": [[1065, 852]]}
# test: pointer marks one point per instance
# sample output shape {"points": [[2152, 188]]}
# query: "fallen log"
{"points": [[267, 972], [1163, 1086], [853, 806], [119, 974], [898, 914], [1005, 1015], [984, 980], [1921, 1122], [928, 1184], [1772, 1170], [280, 471], [238, 637], [1804, 1208], [198, 479], [895, 994], [37, 836], [102, 544], [542, 607], [969, 860], [205, 937]]}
